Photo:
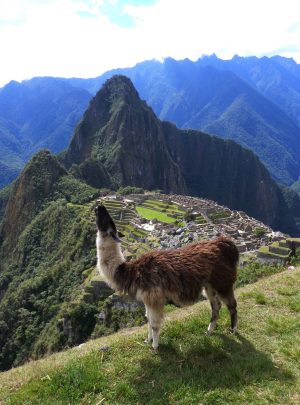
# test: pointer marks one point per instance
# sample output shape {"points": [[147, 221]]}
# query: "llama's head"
{"points": [[105, 224]]}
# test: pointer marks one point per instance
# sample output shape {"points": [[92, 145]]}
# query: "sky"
{"points": [[85, 38]]}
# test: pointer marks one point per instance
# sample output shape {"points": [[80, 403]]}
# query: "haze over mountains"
{"points": [[255, 102], [39, 113]]}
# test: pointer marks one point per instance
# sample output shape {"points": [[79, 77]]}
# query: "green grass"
{"points": [[152, 214], [297, 240], [258, 365], [171, 208], [266, 251]]}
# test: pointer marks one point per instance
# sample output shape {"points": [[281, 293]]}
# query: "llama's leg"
{"points": [[155, 316], [149, 339], [231, 304], [215, 307]]}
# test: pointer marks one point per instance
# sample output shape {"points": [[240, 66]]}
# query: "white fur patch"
{"points": [[109, 257]]}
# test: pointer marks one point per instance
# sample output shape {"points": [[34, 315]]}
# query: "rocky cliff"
{"points": [[122, 132]]}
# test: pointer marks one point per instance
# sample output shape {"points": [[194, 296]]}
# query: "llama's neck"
{"points": [[109, 257]]}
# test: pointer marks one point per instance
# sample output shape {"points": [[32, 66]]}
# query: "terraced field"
{"points": [[219, 215], [282, 249], [161, 211]]}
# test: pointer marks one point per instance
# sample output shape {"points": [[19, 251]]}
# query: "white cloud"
{"points": [[52, 37]]}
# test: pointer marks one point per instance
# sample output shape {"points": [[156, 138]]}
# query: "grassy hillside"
{"points": [[258, 365]]}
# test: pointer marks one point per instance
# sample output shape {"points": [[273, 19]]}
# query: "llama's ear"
{"points": [[120, 234]]}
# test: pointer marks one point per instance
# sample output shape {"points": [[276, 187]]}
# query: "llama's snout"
{"points": [[104, 222], [101, 210], [103, 218]]}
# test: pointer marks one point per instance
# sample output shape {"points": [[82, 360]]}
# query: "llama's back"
{"points": [[182, 271]]}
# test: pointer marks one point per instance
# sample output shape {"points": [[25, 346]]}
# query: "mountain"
{"points": [[35, 114], [47, 233], [120, 141], [46, 243], [254, 101], [277, 78], [209, 96], [122, 133], [28, 195]]}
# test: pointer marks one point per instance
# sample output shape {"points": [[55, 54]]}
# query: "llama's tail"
{"points": [[229, 250], [224, 274]]}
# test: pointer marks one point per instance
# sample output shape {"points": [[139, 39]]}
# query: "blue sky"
{"points": [[84, 38]]}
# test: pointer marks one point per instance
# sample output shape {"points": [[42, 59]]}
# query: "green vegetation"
{"points": [[278, 250], [48, 260], [130, 190], [171, 208], [4, 196], [189, 367], [161, 210], [259, 232], [153, 214], [51, 256], [74, 191], [254, 270]]}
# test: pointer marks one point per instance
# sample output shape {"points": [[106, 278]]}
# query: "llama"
{"points": [[178, 275]]}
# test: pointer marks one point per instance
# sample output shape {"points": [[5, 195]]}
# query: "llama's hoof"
{"points": [[155, 347], [210, 329], [232, 330]]}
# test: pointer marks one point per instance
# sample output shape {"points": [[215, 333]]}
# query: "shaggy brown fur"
{"points": [[179, 275], [183, 272]]}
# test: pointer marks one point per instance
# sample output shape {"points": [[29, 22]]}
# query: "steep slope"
{"points": [[11, 152], [27, 196], [46, 244], [123, 134], [4, 197], [225, 172]]}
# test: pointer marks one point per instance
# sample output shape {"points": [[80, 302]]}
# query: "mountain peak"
{"points": [[118, 84], [29, 191], [122, 132]]}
